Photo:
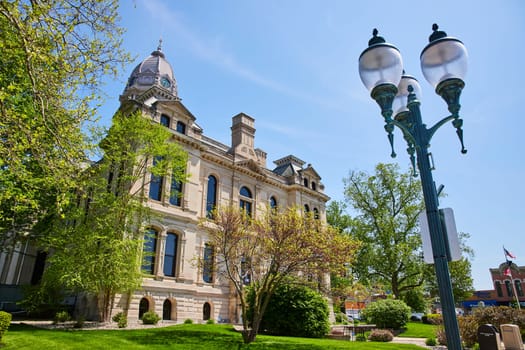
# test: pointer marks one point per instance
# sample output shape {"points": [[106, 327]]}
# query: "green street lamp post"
{"points": [[444, 64]]}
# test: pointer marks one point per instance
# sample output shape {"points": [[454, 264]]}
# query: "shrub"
{"points": [[387, 313], [383, 335], [441, 335], [294, 310], [341, 318], [435, 319], [150, 318], [61, 317], [210, 321], [79, 322], [431, 342], [121, 319], [5, 321], [188, 321]]}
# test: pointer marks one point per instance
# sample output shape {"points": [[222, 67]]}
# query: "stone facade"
{"points": [[218, 174]]}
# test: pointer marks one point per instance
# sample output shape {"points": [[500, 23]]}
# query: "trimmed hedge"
{"points": [[5, 321], [387, 313]]}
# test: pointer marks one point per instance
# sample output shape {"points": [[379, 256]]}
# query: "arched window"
{"points": [[306, 208], [499, 291], [166, 310], [181, 127], [316, 213], [207, 269], [508, 285], [273, 202], [156, 183], [165, 120], [206, 311], [211, 196], [314, 186], [246, 201], [143, 307], [170, 255], [305, 182], [150, 246]]}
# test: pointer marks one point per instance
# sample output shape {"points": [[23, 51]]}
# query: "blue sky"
{"points": [[292, 65]]}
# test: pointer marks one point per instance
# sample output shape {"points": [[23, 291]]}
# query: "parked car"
{"points": [[416, 316]]}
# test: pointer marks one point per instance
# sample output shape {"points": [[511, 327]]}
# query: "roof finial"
{"points": [[159, 48]]}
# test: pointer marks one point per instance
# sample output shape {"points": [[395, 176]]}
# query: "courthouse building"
{"points": [[219, 174]]}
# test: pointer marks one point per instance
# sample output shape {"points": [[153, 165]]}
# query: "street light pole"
{"points": [[444, 65]]}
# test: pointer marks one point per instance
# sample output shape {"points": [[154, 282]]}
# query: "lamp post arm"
{"points": [[440, 123]]}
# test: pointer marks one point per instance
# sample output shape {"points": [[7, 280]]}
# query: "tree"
{"points": [[96, 244], [387, 204], [460, 273], [54, 55], [267, 250]]}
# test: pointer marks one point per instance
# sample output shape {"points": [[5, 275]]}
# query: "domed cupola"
{"points": [[153, 71]]}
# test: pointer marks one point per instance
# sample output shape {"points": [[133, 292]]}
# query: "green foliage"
{"points": [[210, 321], [381, 335], [431, 342], [121, 319], [434, 319], [416, 329], [415, 299], [61, 317], [79, 322], [278, 245], [387, 313], [341, 318], [5, 321], [54, 57], [188, 321], [294, 310], [150, 317]]}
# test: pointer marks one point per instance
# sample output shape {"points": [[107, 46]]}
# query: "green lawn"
{"points": [[419, 330], [194, 337]]}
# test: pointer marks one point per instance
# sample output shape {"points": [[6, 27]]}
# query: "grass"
{"points": [[419, 330], [184, 336]]}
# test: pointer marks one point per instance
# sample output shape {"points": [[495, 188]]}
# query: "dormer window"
{"points": [[181, 127], [165, 120]]}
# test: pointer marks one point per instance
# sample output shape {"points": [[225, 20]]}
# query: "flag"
{"points": [[509, 254], [507, 272]]}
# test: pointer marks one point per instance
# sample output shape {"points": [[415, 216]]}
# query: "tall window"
{"points": [[499, 291], [314, 186], [246, 264], [207, 269], [508, 286], [170, 255], [181, 127], [165, 120], [175, 192], [211, 196], [316, 213], [150, 246], [155, 185], [273, 203], [245, 201], [305, 182], [306, 208], [519, 289]]}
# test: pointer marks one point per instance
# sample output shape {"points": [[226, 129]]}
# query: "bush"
{"points": [[210, 321], [435, 319], [341, 318], [387, 313], [79, 322], [188, 321], [441, 335], [121, 319], [61, 317], [5, 321], [383, 335], [431, 342], [150, 318], [293, 310]]}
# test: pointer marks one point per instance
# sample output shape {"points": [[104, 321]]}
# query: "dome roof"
{"points": [[155, 70]]}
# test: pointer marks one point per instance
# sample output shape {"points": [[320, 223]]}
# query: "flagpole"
{"points": [[509, 267]]}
